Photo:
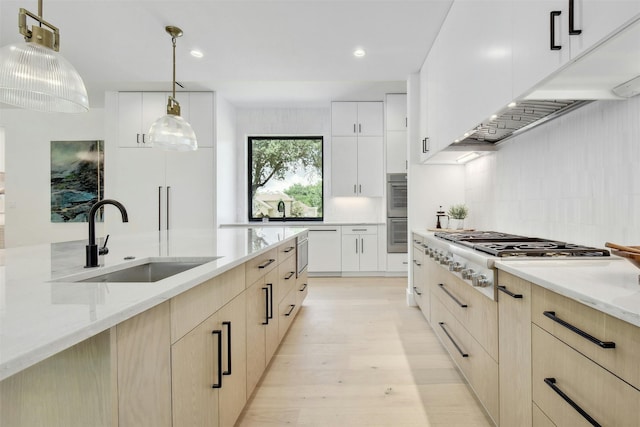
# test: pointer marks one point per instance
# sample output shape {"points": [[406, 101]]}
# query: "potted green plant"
{"points": [[458, 213]]}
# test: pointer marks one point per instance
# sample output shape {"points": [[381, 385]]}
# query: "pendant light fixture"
{"points": [[35, 76], [172, 132]]}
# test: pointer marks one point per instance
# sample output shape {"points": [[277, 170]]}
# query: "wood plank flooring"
{"points": [[357, 355]]}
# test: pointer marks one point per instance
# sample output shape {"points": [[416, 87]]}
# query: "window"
{"points": [[285, 178]]}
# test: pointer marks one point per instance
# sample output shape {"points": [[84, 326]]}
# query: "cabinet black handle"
{"points": [[572, 30], [359, 128], [168, 205], [354, 128], [304, 286], [290, 275], [289, 249], [417, 263], [333, 230], [551, 382], [218, 332], [228, 325], [159, 208], [462, 353], [603, 344], [452, 296], [292, 307], [137, 138], [415, 289], [270, 315], [508, 292], [266, 263], [266, 306], [552, 30]]}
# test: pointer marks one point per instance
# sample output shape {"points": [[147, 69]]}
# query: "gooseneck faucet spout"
{"points": [[92, 248]]}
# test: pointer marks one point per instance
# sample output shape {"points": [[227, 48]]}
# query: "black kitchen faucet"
{"points": [[92, 248]]}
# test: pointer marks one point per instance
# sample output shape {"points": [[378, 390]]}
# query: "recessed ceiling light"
{"points": [[359, 53], [196, 53]]}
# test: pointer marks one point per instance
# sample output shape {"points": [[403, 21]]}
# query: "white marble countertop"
{"points": [[309, 224], [43, 313], [610, 286]]}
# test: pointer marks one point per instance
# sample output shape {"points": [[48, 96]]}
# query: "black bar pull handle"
{"points": [[552, 30], [270, 314], [228, 325], [218, 384], [168, 205], [415, 289], [159, 208], [452, 296], [304, 287], [462, 353], [603, 344], [508, 292], [266, 306], [289, 249], [267, 263], [572, 15], [290, 275], [291, 308], [551, 382]]}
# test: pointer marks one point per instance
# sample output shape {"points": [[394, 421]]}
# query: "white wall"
{"points": [[300, 121], [576, 178], [226, 160], [28, 137]]}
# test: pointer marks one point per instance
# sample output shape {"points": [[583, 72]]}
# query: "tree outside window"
{"points": [[285, 178]]}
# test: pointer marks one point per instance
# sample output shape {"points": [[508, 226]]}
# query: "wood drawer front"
{"points": [[261, 265], [286, 278], [287, 310], [478, 367], [417, 239], [302, 288], [603, 396], [286, 250], [192, 307], [477, 313], [621, 360]]}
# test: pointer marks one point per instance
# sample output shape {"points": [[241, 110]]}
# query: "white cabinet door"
{"points": [[344, 166], [325, 250], [396, 111], [351, 253], [370, 166], [201, 117], [533, 58], [344, 118], [597, 19], [396, 151], [368, 252], [370, 119], [190, 189], [136, 113]]}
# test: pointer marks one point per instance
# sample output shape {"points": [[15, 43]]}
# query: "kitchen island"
{"points": [[46, 312]]}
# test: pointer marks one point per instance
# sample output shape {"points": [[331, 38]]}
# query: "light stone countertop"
{"points": [[610, 286], [43, 313]]}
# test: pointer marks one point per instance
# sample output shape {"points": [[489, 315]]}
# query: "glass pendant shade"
{"points": [[38, 78], [172, 133]]}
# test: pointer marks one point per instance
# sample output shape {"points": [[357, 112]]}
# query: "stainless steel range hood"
{"points": [[610, 70]]}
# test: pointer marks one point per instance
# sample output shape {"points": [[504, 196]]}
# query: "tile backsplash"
{"points": [[576, 178]]}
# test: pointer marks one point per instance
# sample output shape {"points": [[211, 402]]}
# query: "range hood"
{"points": [[610, 70]]}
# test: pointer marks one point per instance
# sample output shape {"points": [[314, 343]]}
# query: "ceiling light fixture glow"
{"points": [[33, 75], [172, 132], [511, 104], [196, 53], [359, 53]]}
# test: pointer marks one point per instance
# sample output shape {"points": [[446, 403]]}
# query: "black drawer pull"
{"points": [[304, 287], [292, 307], [417, 263], [552, 30], [218, 332], [572, 30], [270, 286], [266, 306], [603, 344], [289, 249], [551, 382], [267, 263], [462, 353], [290, 275], [415, 289], [452, 296], [508, 292], [228, 325]]}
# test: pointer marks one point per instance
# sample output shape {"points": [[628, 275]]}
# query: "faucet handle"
{"points": [[104, 249]]}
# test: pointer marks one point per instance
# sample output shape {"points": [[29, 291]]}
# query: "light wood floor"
{"points": [[357, 355]]}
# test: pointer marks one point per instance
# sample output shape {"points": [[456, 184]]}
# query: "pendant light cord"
{"points": [[173, 41]]}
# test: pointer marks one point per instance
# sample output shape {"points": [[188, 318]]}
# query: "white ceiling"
{"points": [[257, 52]]}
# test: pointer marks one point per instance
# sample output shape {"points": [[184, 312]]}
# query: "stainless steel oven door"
{"points": [[397, 235], [396, 195], [302, 253]]}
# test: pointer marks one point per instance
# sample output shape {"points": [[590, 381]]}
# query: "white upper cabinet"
{"points": [[357, 118], [396, 132], [396, 111]]}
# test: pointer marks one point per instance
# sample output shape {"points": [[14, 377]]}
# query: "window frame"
{"points": [[250, 173]]}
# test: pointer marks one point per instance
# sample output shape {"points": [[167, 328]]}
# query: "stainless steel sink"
{"points": [[147, 271]]}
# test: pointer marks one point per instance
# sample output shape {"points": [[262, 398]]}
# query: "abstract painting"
{"points": [[77, 179]]}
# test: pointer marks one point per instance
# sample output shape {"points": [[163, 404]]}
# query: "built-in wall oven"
{"points": [[397, 233]]}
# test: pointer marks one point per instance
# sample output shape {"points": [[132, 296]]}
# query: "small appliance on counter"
{"points": [[441, 214]]}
